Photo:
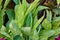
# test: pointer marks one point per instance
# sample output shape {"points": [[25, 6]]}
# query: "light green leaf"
{"points": [[24, 4], [45, 34], [49, 16], [19, 15], [6, 3], [34, 36], [57, 31], [14, 28], [46, 24], [3, 32], [32, 6], [41, 8], [26, 30], [56, 22], [43, 38], [1, 18], [37, 23]]}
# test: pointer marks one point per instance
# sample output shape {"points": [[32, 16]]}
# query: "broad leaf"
{"points": [[46, 24], [17, 37], [14, 28], [10, 14], [26, 30], [45, 34], [56, 22]]}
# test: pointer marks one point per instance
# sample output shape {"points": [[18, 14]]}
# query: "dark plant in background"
{"points": [[23, 22]]}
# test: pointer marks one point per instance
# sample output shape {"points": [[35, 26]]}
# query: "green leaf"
{"points": [[3, 28], [56, 22], [19, 15], [17, 37], [46, 24], [1, 18], [26, 30], [0, 4], [24, 4], [43, 38], [32, 6], [35, 11], [35, 19], [41, 8], [37, 23], [45, 34], [57, 31], [39, 28], [49, 16], [2, 31], [5, 34], [7, 25], [53, 37], [16, 1], [28, 20], [6, 3], [56, 11], [14, 28], [10, 14], [34, 36]]}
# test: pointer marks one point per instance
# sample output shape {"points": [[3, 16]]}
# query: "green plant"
{"points": [[24, 25]]}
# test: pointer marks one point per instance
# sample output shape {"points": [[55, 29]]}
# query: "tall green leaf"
{"points": [[19, 15], [10, 14], [37, 23], [6, 3], [49, 16], [1, 18], [32, 6], [28, 20]]}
